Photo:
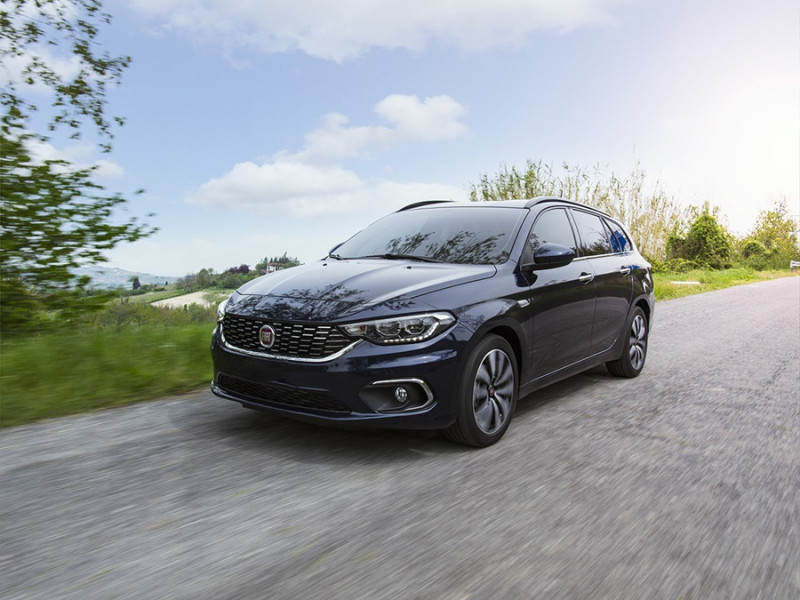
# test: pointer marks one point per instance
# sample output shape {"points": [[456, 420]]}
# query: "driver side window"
{"points": [[552, 227]]}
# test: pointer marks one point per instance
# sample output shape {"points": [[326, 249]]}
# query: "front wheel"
{"points": [[631, 363], [487, 394]]}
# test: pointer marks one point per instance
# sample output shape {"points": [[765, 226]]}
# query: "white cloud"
{"points": [[13, 68], [430, 120], [347, 29], [177, 250], [289, 189], [312, 182], [190, 254], [80, 156], [284, 186]]}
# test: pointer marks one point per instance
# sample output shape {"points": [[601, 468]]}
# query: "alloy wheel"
{"points": [[637, 345], [493, 391]]}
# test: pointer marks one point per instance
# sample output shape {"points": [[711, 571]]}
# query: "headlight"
{"points": [[400, 330], [221, 309]]}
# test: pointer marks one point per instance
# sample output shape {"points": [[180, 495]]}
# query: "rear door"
{"points": [[608, 252]]}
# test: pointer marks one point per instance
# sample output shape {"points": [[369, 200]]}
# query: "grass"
{"points": [[706, 281], [63, 373], [132, 351]]}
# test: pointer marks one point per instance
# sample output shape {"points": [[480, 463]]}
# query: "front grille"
{"points": [[293, 340], [279, 394]]}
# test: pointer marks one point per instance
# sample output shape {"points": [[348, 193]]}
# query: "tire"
{"points": [[487, 394], [634, 351]]}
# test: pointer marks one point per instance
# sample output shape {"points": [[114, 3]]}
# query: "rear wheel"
{"points": [[488, 394], [631, 362]]}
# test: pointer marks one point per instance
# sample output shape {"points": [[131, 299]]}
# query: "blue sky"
{"points": [[263, 127]]}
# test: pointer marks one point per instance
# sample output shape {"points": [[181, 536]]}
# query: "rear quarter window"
{"points": [[620, 242], [595, 237]]}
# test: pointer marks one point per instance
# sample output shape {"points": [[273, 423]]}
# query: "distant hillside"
{"points": [[108, 277]]}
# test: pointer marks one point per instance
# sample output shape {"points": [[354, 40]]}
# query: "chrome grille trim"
{"points": [[296, 342]]}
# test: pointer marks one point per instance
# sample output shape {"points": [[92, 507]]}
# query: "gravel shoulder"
{"points": [[181, 301]]}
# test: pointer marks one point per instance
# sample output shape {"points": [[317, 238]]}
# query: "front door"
{"points": [[562, 301]]}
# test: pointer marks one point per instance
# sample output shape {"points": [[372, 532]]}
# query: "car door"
{"points": [[562, 301], [606, 252]]}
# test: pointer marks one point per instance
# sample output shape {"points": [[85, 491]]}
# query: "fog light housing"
{"points": [[396, 395]]}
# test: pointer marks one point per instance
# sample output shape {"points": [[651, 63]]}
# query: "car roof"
{"points": [[522, 203]]}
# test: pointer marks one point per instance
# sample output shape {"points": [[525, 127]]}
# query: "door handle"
{"points": [[624, 271], [586, 277]]}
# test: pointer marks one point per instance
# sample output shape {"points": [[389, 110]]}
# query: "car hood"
{"points": [[331, 290]]}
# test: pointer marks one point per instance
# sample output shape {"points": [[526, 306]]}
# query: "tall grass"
{"points": [[127, 352], [65, 373]]}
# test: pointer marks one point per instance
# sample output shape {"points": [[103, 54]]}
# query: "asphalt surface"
{"points": [[683, 483]]}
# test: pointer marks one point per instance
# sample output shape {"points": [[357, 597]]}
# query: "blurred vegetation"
{"points": [[67, 372], [235, 276], [670, 237], [126, 352], [648, 212], [55, 217]]}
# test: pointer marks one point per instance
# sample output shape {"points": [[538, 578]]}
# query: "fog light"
{"points": [[396, 395]]}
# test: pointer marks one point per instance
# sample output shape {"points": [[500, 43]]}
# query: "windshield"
{"points": [[458, 234]]}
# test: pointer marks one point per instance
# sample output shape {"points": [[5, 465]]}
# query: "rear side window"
{"points": [[619, 239], [552, 227], [595, 238]]}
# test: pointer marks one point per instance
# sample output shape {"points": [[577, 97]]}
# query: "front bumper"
{"points": [[354, 389]]}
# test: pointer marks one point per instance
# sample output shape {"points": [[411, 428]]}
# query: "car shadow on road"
{"points": [[217, 420], [577, 384]]}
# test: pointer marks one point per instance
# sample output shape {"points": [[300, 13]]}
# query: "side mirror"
{"points": [[549, 256]]}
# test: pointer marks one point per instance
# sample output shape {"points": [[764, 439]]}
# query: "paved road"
{"points": [[683, 483]]}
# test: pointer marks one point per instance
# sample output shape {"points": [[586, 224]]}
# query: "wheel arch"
{"points": [[511, 336], [645, 306]]}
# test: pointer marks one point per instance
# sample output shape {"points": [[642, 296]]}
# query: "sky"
{"points": [[258, 127]]}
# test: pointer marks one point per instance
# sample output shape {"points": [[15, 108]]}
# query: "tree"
{"points": [[204, 278], [773, 242], [53, 216], [284, 262], [706, 243], [649, 214], [135, 283], [31, 31]]}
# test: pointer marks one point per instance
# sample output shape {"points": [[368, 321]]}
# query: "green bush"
{"points": [[121, 314], [675, 265], [706, 243]]}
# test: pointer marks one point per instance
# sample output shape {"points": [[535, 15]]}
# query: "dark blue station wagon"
{"points": [[439, 316]]}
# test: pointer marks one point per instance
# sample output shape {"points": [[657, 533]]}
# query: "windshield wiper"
{"points": [[391, 256]]}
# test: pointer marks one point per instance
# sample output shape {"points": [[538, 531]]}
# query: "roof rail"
{"points": [[423, 203], [540, 199]]}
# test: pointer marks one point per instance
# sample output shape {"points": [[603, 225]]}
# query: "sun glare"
{"points": [[756, 145]]}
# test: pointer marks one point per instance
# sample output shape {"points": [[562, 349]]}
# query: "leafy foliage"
{"points": [[234, 277], [706, 243], [54, 217], [649, 214], [773, 242], [284, 262], [31, 30]]}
